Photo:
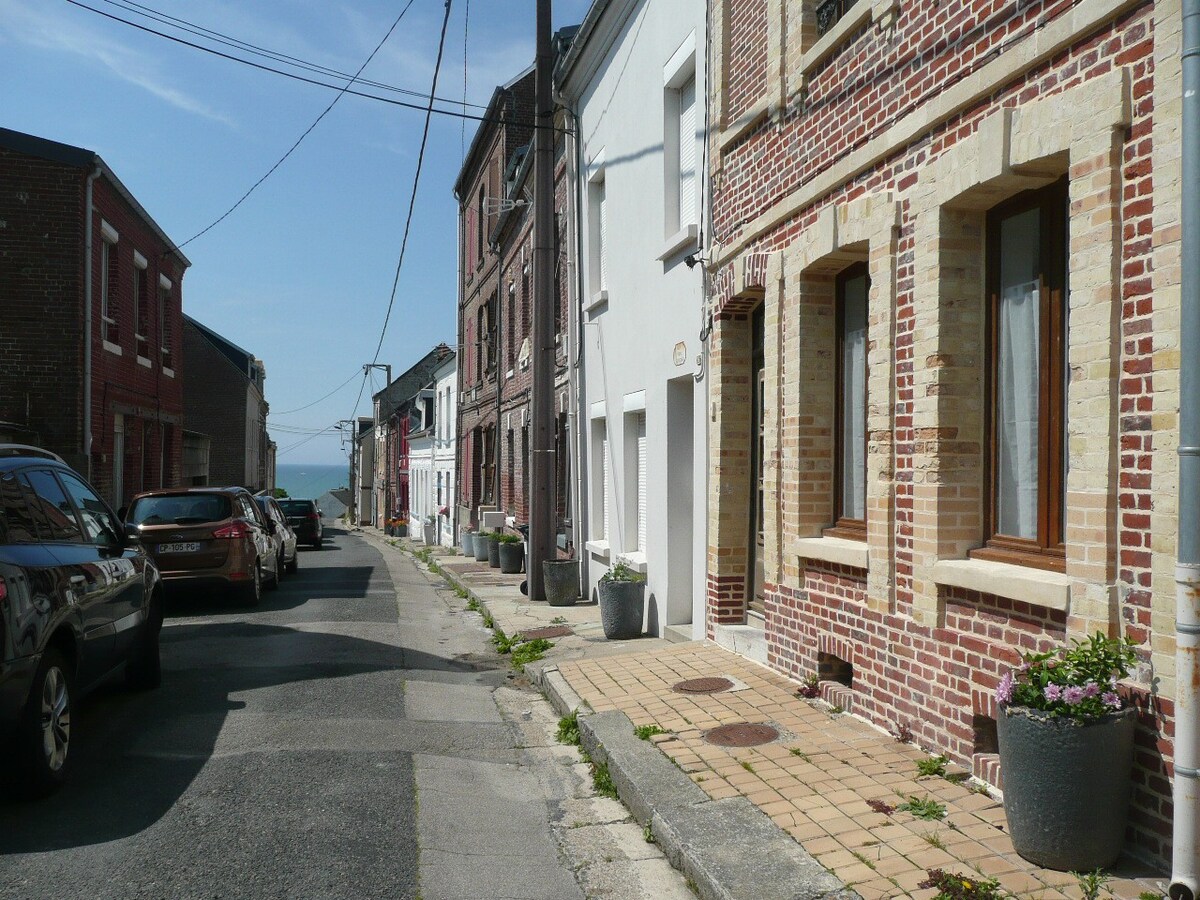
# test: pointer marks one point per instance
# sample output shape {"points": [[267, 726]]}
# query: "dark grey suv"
{"points": [[77, 599]]}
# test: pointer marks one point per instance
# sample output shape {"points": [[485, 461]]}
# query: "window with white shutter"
{"points": [[686, 165], [641, 482], [604, 480], [602, 244]]}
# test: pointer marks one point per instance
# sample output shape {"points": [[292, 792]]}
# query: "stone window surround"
{"points": [[1079, 132]]}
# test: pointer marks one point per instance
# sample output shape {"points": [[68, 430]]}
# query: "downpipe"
{"points": [[88, 250], [1185, 793]]}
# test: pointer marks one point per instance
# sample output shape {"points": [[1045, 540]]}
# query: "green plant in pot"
{"points": [[493, 548], [512, 553], [622, 593], [481, 546], [1066, 753]]}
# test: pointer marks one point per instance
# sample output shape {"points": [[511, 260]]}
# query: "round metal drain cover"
{"points": [[703, 686], [741, 734]]}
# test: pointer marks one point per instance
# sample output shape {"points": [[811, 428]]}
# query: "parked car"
{"points": [[287, 559], [77, 599], [207, 536], [305, 518]]}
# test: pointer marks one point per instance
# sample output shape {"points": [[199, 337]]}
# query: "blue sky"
{"points": [[300, 274]]}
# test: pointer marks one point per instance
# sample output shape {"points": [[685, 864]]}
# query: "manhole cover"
{"points": [[550, 631], [703, 686], [741, 734]]}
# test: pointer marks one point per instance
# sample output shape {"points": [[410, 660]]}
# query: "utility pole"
{"points": [[541, 491], [344, 425], [387, 474]]}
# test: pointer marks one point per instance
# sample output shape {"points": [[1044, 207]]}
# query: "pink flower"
{"points": [[1072, 694], [1052, 692], [1091, 689], [1111, 699], [1004, 690]]}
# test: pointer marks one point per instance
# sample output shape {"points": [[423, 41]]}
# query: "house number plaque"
{"points": [[680, 353]]}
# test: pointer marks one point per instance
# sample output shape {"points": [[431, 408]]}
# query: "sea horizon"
{"points": [[311, 480]]}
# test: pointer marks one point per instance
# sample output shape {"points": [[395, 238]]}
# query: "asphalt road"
{"points": [[285, 752]]}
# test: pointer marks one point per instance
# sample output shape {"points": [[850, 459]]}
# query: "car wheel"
{"points": [[143, 671], [251, 592], [273, 584], [294, 564], [43, 738]]}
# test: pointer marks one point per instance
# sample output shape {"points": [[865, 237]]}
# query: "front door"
{"points": [[755, 568]]}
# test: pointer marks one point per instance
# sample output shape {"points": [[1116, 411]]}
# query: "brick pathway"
{"points": [[815, 781]]}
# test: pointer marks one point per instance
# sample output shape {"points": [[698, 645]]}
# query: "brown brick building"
{"points": [[496, 217], [945, 310], [91, 305]]}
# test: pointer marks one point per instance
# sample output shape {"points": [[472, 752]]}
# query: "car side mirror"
{"points": [[131, 532], [122, 513]]}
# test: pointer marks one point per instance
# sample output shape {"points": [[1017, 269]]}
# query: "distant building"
{"points": [[91, 304], [223, 398], [431, 444]]}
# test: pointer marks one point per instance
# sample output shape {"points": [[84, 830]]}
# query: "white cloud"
{"points": [[62, 31]]}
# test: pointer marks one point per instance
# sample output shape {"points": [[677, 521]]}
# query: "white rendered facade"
{"points": [[431, 457], [634, 81]]}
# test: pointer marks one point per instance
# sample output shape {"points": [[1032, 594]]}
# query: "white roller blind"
{"points": [[687, 153], [604, 473], [641, 482], [602, 199]]}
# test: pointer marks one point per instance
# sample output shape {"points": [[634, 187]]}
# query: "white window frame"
{"points": [[109, 238], [601, 479], [597, 196], [164, 284]]}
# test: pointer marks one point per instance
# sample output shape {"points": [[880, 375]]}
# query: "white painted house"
{"points": [[634, 84], [431, 442]]}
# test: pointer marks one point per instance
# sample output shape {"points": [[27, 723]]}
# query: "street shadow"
{"points": [[135, 753], [326, 582]]}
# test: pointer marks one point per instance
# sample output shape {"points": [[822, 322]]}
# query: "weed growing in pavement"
{"points": [[488, 621], [1151, 895], [530, 651], [472, 603], [602, 781], [810, 688], [836, 710], [957, 886], [933, 840], [558, 620], [648, 835], [796, 751], [881, 807], [1091, 883], [502, 642], [932, 765], [748, 766], [645, 732], [903, 734], [424, 555], [463, 595], [926, 808], [568, 729], [862, 859]]}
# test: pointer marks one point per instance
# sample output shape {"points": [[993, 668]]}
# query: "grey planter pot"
{"points": [[400, 531], [429, 533], [467, 538], [511, 558], [493, 553], [622, 607], [1066, 786], [481, 547], [560, 579]]}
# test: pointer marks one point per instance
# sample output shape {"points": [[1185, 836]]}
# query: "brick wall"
{"points": [[215, 396], [890, 149]]}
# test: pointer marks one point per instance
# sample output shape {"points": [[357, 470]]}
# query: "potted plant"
{"points": [[493, 548], [467, 537], [512, 553], [429, 532], [560, 580], [1066, 752], [481, 546], [622, 602]]}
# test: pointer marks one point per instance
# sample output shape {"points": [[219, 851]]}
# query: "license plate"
{"points": [[188, 547]]}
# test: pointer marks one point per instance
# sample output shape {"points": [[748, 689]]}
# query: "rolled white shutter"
{"points": [[687, 153], [603, 202], [604, 473], [641, 483]]}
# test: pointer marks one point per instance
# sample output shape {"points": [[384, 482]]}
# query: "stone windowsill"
{"points": [[745, 123], [635, 561], [1038, 587], [142, 361], [598, 299], [841, 551], [836, 36], [170, 373], [598, 549], [115, 349], [686, 238]]}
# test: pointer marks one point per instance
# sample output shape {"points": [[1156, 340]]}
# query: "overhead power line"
{"points": [[335, 87], [235, 42], [300, 139], [288, 412]]}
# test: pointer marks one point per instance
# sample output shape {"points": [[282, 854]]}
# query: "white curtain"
{"points": [[1017, 411], [854, 399]]}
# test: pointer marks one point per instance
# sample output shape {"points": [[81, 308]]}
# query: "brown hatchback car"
{"points": [[208, 535]]}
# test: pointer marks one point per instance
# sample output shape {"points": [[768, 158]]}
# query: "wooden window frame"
{"points": [[1048, 551], [844, 526]]}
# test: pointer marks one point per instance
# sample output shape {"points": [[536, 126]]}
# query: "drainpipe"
{"points": [[1184, 877], [87, 320]]}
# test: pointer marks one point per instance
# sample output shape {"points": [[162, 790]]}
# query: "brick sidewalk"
{"points": [[815, 781]]}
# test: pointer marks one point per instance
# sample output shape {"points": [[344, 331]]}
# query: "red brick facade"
{"points": [[838, 124]]}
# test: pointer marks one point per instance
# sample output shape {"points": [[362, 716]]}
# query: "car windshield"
{"points": [[296, 507], [179, 509]]}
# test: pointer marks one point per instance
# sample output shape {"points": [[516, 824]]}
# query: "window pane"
{"points": [[1018, 343], [56, 510], [854, 398], [16, 520], [98, 524]]}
